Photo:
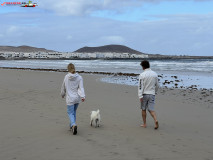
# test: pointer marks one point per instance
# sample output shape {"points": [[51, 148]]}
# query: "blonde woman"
{"points": [[73, 88]]}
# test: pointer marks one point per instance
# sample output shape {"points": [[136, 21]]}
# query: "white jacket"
{"points": [[148, 83], [73, 88]]}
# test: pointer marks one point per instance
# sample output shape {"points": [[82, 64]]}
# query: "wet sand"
{"points": [[34, 122]]}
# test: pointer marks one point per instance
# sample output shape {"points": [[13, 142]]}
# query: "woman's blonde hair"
{"points": [[71, 68]]}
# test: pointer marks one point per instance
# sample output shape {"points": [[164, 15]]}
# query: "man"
{"points": [[148, 86]]}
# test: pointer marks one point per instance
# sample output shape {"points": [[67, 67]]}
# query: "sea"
{"points": [[181, 73]]}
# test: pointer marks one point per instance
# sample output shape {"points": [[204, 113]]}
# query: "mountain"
{"points": [[23, 49], [101, 49], [107, 49]]}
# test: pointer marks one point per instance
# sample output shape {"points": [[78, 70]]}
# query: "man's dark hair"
{"points": [[145, 64]]}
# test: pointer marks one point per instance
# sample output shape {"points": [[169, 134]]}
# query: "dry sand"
{"points": [[34, 123]]}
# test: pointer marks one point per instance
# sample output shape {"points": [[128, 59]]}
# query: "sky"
{"points": [[168, 27]]}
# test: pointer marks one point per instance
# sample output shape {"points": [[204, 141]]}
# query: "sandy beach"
{"points": [[34, 122]]}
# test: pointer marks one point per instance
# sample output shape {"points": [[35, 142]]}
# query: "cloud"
{"points": [[87, 7], [112, 39], [71, 7], [69, 37], [11, 29], [172, 34]]}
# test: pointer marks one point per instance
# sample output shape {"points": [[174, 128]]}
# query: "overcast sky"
{"points": [[171, 27]]}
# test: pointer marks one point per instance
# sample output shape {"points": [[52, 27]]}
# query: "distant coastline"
{"points": [[150, 58], [108, 52]]}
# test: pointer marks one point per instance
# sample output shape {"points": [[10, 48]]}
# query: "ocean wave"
{"points": [[118, 65]]}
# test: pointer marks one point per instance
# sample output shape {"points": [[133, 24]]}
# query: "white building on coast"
{"points": [[106, 55], [69, 55]]}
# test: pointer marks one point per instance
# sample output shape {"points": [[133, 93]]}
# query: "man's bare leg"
{"points": [[153, 114], [144, 118]]}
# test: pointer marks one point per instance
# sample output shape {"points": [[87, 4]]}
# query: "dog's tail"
{"points": [[98, 111]]}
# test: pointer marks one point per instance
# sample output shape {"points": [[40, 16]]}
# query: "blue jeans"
{"points": [[71, 110]]}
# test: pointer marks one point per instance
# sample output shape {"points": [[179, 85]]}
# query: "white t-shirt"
{"points": [[148, 83]]}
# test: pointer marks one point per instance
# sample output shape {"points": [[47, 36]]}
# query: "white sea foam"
{"points": [[200, 71]]}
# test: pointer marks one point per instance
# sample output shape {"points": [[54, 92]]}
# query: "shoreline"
{"points": [[201, 93], [172, 82], [65, 70]]}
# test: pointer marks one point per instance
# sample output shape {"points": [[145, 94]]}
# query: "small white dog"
{"points": [[95, 116]]}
